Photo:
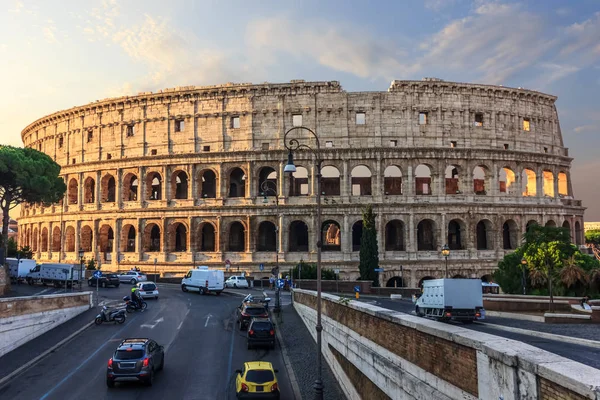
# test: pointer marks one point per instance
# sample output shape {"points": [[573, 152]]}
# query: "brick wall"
{"points": [[549, 390]]}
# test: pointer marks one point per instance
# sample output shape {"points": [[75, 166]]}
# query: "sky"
{"points": [[59, 54]]}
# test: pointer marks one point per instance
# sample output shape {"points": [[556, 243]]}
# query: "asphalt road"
{"points": [[203, 348], [583, 354]]}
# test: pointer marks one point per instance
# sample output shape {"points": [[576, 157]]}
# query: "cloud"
{"points": [[583, 38], [438, 5], [586, 128]]}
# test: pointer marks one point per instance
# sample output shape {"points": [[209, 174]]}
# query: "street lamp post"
{"points": [[155, 278], [446, 253], [523, 281], [266, 188], [291, 146], [81, 253]]}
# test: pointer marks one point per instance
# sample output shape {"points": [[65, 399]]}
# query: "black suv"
{"points": [[261, 332], [135, 359], [107, 279], [247, 311]]}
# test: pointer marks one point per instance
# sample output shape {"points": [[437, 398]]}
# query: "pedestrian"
{"points": [[271, 281], [585, 303]]}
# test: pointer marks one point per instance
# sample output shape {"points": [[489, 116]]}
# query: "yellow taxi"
{"points": [[257, 380]]}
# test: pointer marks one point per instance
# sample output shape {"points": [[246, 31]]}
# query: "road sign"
{"points": [[336, 271], [378, 269], [97, 274], [261, 267], [357, 289], [280, 283]]}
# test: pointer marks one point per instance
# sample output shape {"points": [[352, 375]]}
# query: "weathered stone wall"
{"points": [[4, 281], [15, 306]]}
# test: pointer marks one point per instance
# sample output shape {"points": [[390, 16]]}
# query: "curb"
{"points": [[545, 335], [35, 360], [289, 368], [522, 317]]}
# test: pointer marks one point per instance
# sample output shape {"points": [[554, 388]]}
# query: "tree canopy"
{"points": [[369, 250]]}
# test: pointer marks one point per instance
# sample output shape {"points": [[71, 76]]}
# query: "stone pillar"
{"points": [[313, 180], [539, 183], [165, 237], [314, 232], [380, 235], [116, 253], [250, 245], [410, 182], [495, 181], [346, 245], [219, 183], [443, 230], [98, 189], [218, 235], [80, 191], [78, 236], [377, 183], [281, 181], [282, 240], [437, 183], [249, 178], [139, 239], [411, 246], [555, 183], [166, 184], [119, 188], [192, 183], [141, 186], [346, 182]]}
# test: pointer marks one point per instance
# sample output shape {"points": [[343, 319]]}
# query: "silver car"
{"points": [[148, 290]]}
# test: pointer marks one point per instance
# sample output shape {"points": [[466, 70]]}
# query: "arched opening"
{"points": [[425, 278], [179, 185], [484, 235], [128, 237], [458, 276], [237, 183], [551, 223], [70, 239], [396, 281], [72, 191], [86, 238], [130, 187], [361, 181], [506, 180], [208, 184], [530, 224], [394, 236], [578, 234], [528, 183], [392, 180], [331, 236], [108, 186], [44, 239], [357, 231], [267, 236], [567, 226], [330, 181], [548, 183], [563, 188], [56, 239], [423, 180], [237, 239], [36, 239], [177, 237], [299, 182], [426, 235], [151, 238], [89, 190], [153, 186], [298, 236], [267, 174], [456, 230], [509, 235], [106, 239], [479, 180], [452, 183], [487, 278], [207, 238]]}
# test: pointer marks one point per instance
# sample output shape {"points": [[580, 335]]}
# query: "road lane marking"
{"points": [[152, 326], [230, 361], [208, 317], [183, 320]]}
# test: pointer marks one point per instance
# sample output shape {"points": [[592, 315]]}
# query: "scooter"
{"points": [[131, 305], [105, 315]]}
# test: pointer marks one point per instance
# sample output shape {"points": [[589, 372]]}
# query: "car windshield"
{"points": [[149, 287], [255, 310], [259, 375], [112, 275], [261, 326], [129, 354]]}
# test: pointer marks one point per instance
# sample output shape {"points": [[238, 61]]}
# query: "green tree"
{"points": [[12, 250], [309, 271], [509, 274], [91, 264], [26, 175], [592, 240], [369, 251]]}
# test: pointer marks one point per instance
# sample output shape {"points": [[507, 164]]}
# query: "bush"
{"points": [[309, 271]]}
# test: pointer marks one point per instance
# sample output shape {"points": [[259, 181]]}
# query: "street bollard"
{"points": [[357, 295]]}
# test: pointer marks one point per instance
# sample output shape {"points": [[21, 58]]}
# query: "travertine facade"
{"points": [[176, 177]]}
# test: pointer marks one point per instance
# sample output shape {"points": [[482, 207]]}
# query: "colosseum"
{"points": [[195, 176]]}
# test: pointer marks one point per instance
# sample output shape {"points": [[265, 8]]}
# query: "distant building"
{"points": [[591, 226], [13, 230]]}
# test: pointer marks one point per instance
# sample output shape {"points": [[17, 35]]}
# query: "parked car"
{"points": [[135, 358], [106, 279], [203, 280], [236, 282], [132, 277], [257, 379], [247, 311], [261, 332], [148, 290]]}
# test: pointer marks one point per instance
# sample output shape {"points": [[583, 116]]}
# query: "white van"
{"points": [[19, 268], [57, 274], [204, 281]]}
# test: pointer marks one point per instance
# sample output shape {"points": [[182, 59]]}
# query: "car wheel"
{"points": [[235, 285], [132, 281], [155, 297], [110, 383], [241, 326], [150, 379], [117, 285], [162, 363], [218, 293], [103, 284], [184, 288]]}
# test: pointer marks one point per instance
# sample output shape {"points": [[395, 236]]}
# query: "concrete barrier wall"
{"points": [[381, 354], [25, 318]]}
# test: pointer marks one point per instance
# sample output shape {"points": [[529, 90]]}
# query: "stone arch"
{"points": [[86, 238], [152, 237], [267, 236], [108, 188], [179, 185], [510, 234], [563, 185], [392, 180], [395, 281], [70, 239], [106, 239], [299, 184], [56, 239], [458, 276], [578, 234], [394, 236], [567, 226], [72, 190], [425, 278], [237, 237], [481, 178], [207, 184], [89, 190], [330, 181], [267, 174], [357, 231], [452, 180], [361, 181], [423, 180], [207, 236], [128, 238], [44, 239], [529, 185], [331, 236], [237, 182], [426, 240], [130, 187], [506, 179], [153, 186], [548, 178], [298, 236], [36, 239], [529, 224], [488, 278], [457, 231], [178, 235], [551, 223], [485, 235]]}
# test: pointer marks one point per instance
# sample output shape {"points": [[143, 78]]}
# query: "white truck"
{"points": [[19, 268], [56, 274], [204, 281], [446, 299]]}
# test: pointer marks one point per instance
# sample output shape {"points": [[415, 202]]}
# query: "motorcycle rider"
{"points": [[135, 297]]}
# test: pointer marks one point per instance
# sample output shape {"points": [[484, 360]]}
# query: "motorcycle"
{"points": [[131, 305], [107, 315]]}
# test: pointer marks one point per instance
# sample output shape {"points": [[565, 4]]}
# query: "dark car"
{"points": [[106, 279], [261, 332], [135, 359], [247, 311]]}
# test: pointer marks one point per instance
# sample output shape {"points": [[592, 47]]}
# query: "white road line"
{"points": [[179, 327]]}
